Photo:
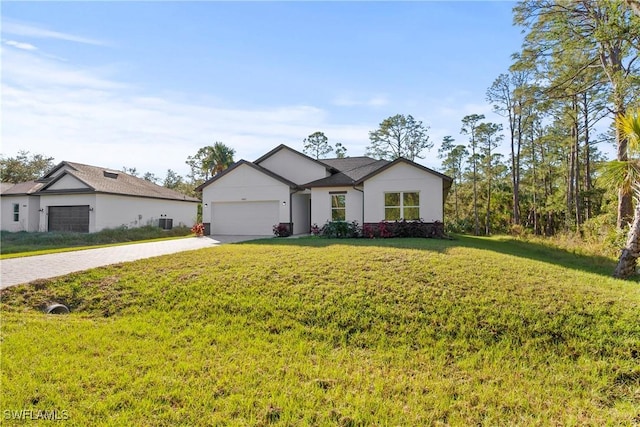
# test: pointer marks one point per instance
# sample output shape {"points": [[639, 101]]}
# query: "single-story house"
{"points": [[286, 187], [83, 198]]}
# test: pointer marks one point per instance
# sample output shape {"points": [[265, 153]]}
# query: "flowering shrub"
{"points": [[281, 230], [384, 231], [315, 230], [403, 228], [198, 229], [368, 231], [341, 229]]}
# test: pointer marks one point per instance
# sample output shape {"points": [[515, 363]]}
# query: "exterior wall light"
{"points": [[284, 203]]}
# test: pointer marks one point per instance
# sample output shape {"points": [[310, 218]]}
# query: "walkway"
{"points": [[15, 271]]}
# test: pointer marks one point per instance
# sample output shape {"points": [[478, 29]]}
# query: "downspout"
{"points": [[291, 212], [362, 191]]}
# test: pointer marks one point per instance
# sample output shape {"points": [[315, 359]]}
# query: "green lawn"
{"points": [[297, 332]]}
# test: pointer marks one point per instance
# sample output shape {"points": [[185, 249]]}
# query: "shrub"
{"points": [[341, 229], [281, 230], [461, 226], [368, 231], [403, 228]]}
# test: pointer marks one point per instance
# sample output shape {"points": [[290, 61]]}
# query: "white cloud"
{"points": [[350, 100], [25, 68], [20, 45], [29, 30], [88, 116]]}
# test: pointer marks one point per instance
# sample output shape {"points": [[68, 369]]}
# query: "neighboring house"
{"points": [[287, 187], [83, 198]]}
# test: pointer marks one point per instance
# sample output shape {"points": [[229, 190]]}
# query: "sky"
{"points": [[146, 84]]}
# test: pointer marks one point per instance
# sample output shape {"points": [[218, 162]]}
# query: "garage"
{"points": [[69, 218], [244, 218]]}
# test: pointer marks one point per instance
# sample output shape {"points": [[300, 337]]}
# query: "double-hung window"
{"points": [[16, 212], [402, 205], [338, 206]]}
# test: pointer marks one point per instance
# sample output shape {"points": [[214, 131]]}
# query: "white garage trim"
{"points": [[248, 218]]}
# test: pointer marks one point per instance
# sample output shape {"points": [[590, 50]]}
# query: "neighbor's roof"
{"points": [[103, 180], [22, 188]]}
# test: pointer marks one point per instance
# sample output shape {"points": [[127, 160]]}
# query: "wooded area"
{"points": [[577, 72]]}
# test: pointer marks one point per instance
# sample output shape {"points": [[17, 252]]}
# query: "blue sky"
{"points": [[146, 84]]}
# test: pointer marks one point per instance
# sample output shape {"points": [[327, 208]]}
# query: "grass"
{"points": [[28, 244], [325, 332]]}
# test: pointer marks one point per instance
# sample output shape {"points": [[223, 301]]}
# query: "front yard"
{"points": [[330, 332]]}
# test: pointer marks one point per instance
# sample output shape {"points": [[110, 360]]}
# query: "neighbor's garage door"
{"points": [[244, 218], [69, 218]]}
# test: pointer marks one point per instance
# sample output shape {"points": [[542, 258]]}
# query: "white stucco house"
{"points": [[286, 187], [83, 198]]}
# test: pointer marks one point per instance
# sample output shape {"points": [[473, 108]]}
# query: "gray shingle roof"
{"points": [[350, 175], [21, 188], [112, 182], [348, 163]]}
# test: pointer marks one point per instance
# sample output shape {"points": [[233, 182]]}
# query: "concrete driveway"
{"points": [[16, 271]]}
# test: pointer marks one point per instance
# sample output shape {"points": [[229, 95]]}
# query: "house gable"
{"points": [[293, 165], [66, 182], [58, 170], [242, 163], [247, 175], [404, 176]]}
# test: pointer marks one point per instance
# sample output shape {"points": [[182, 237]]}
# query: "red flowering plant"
{"points": [[384, 230], [198, 229], [315, 230]]}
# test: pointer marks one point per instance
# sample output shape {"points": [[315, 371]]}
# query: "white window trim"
{"points": [[402, 206], [338, 193]]}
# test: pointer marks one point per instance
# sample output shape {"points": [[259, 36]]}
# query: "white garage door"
{"points": [[244, 218]]}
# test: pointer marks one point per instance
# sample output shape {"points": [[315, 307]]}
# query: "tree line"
{"points": [[577, 72]]}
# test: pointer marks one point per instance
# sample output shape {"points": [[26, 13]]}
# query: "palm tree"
{"points": [[219, 158], [629, 174]]}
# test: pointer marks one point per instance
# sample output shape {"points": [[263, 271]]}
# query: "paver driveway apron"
{"points": [[15, 271]]}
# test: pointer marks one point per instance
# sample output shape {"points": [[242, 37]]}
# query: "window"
{"points": [[16, 212], [338, 207], [401, 205]]}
